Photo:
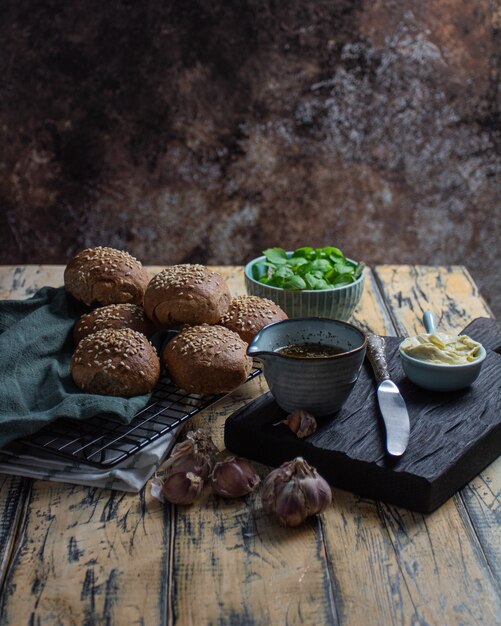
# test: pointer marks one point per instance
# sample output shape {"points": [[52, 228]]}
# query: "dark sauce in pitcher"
{"points": [[309, 350]]}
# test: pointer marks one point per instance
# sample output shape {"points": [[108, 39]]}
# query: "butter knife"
{"points": [[391, 403]]}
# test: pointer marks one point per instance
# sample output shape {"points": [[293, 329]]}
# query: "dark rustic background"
{"points": [[204, 131]]}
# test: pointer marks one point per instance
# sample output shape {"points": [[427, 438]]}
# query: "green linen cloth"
{"points": [[36, 386]]}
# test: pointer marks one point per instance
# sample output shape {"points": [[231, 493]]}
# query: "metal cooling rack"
{"points": [[103, 441]]}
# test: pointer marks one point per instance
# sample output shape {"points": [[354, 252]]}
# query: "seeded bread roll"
{"points": [[207, 359], [115, 362], [186, 294], [247, 315], [113, 316], [106, 276]]}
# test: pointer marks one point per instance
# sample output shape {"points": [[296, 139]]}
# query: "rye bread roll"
{"points": [[207, 359], [247, 315], [113, 316], [186, 294], [115, 362], [105, 276]]}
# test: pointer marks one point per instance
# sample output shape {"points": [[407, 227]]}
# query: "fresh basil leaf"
{"points": [[294, 282], [323, 284], [296, 261], [283, 272], [305, 252], [333, 252], [307, 268], [310, 280], [303, 269], [343, 279], [275, 255], [342, 267], [321, 265]]}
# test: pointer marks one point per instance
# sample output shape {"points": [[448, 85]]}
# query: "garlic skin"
{"points": [[182, 487], [196, 454], [294, 491], [234, 477], [301, 423]]}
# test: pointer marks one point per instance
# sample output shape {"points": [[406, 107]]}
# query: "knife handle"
{"points": [[376, 353]]}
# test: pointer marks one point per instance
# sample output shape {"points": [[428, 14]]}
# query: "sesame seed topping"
{"points": [[183, 275], [207, 339]]}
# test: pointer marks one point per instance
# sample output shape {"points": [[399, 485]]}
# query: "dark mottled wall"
{"points": [[189, 130]]}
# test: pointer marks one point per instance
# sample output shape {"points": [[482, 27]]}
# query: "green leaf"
{"points": [[343, 267], [316, 282], [294, 282], [303, 269], [334, 253], [343, 279], [283, 272], [321, 265], [296, 261], [305, 252], [275, 255], [307, 268]]}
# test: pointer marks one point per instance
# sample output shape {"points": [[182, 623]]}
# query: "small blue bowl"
{"points": [[336, 303], [440, 376], [319, 385]]}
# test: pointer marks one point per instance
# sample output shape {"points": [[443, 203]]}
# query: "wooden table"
{"points": [[85, 556]]}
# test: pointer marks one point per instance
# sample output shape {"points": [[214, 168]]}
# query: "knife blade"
{"points": [[391, 403]]}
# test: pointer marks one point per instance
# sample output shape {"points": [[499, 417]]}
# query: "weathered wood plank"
{"points": [[462, 542], [82, 555], [88, 556], [235, 565], [410, 290], [12, 498]]}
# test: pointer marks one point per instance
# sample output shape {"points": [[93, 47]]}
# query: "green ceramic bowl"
{"points": [[336, 303]]}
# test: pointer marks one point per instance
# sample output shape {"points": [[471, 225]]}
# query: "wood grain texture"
{"points": [[13, 493], [464, 533], [90, 556], [410, 290], [235, 565]]}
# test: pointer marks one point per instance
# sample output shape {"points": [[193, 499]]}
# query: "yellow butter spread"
{"points": [[442, 348]]}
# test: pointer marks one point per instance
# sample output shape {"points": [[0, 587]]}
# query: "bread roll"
{"points": [[207, 359], [186, 294], [247, 315], [115, 362], [106, 276], [113, 316]]}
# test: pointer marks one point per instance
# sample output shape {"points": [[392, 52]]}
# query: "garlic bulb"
{"points": [[196, 454], [301, 423], [295, 491], [234, 477], [182, 487]]}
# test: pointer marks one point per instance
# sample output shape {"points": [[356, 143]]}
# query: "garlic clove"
{"points": [[196, 454], [234, 477], [182, 488], [302, 423], [317, 493], [290, 506], [295, 491]]}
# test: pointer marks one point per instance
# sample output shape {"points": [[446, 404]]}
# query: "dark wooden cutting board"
{"points": [[453, 435]]}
